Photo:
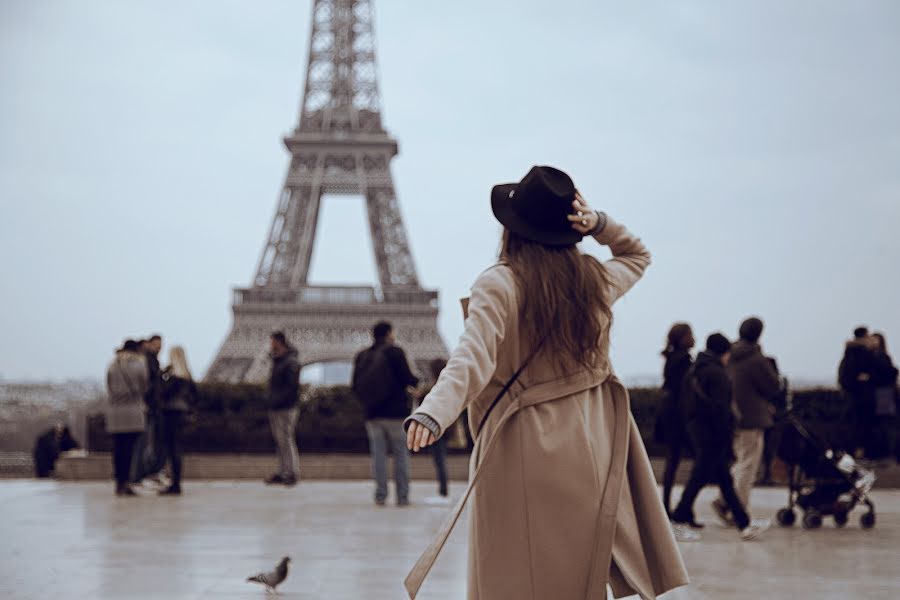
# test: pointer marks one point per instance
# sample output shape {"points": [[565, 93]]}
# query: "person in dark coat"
{"points": [[855, 378], [149, 458], [48, 446], [179, 398], [284, 393], [439, 448], [670, 425], [710, 422], [884, 382], [381, 378]]}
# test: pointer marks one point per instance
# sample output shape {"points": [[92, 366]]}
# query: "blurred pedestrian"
{"points": [[127, 384], [755, 386], [773, 435], [48, 446], [561, 482], [670, 424], [284, 393], [707, 399], [439, 448], [855, 378], [149, 459], [179, 397], [381, 380], [884, 382]]}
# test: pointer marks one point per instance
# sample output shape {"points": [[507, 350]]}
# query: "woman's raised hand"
{"points": [[418, 436], [585, 218]]}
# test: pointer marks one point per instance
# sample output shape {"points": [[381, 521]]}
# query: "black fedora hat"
{"points": [[538, 207]]}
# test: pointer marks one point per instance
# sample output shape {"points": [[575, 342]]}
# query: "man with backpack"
{"points": [[381, 376], [710, 424]]}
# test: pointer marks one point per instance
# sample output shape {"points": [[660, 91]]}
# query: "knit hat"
{"points": [[718, 344], [751, 329]]}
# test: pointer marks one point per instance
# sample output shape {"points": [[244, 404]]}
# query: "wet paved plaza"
{"points": [[76, 540]]}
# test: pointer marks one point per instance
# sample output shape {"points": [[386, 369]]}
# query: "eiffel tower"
{"points": [[339, 147]]}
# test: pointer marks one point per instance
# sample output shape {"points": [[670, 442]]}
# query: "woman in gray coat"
{"points": [[126, 384]]}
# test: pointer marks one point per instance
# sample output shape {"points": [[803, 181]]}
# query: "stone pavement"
{"points": [[76, 540]]}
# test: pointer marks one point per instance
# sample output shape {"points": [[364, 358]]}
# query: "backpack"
{"points": [[370, 377]]}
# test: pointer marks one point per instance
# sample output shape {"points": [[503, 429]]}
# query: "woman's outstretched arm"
{"points": [[472, 362]]}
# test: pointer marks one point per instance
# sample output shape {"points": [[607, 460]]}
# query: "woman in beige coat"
{"points": [[564, 499]]}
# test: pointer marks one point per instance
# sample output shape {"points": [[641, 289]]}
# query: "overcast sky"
{"points": [[754, 146]]}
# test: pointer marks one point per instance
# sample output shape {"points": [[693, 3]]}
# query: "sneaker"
{"points": [[723, 514], [289, 481], [684, 534], [171, 491], [380, 502], [755, 529], [274, 479], [403, 502], [437, 500]]}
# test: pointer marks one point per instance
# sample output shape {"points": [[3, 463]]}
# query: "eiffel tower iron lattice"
{"points": [[339, 147]]}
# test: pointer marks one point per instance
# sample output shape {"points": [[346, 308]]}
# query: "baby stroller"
{"points": [[821, 481]]}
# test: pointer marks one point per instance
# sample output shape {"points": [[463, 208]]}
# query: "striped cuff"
{"points": [[601, 223], [427, 421]]}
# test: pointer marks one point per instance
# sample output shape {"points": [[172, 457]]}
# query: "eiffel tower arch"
{"points": [[339, 147]]}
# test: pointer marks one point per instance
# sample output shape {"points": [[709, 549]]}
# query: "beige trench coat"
{"points": [[564, 499]]}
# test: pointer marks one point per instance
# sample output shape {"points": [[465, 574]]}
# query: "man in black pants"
{"points": [[710, 426]]}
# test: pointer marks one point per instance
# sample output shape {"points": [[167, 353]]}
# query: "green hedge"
{"points": [[233, 418]]}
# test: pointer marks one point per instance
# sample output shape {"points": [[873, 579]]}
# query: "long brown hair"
{"points": [[562, 293], [675, 339]]}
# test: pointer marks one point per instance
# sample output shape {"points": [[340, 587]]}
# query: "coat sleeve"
{"points": [[630, 257], [474, 360]]}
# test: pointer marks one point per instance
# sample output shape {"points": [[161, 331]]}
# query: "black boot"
{"points": [[123, 489]]}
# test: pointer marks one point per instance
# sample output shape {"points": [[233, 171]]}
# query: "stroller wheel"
{"points": [[867, 521], [812, 520], [840, 519], [786, 517]]}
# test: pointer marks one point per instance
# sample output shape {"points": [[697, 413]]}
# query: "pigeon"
{"points": [[273, 579]]}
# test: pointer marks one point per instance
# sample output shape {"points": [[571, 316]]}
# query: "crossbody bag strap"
{"points": [[511, 381]]}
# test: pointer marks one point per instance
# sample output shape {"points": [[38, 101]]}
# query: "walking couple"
{"points": [[721, 406]]}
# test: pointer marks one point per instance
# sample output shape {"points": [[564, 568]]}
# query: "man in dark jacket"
{"points": [[381, 376], [855, 378], [707, 402], [284, 390], [755, 384], [148, 459]]}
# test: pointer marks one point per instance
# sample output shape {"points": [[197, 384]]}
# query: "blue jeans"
{"points": [[384, 434]]}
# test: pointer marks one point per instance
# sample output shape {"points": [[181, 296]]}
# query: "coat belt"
{"points": [[606, 522]]}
